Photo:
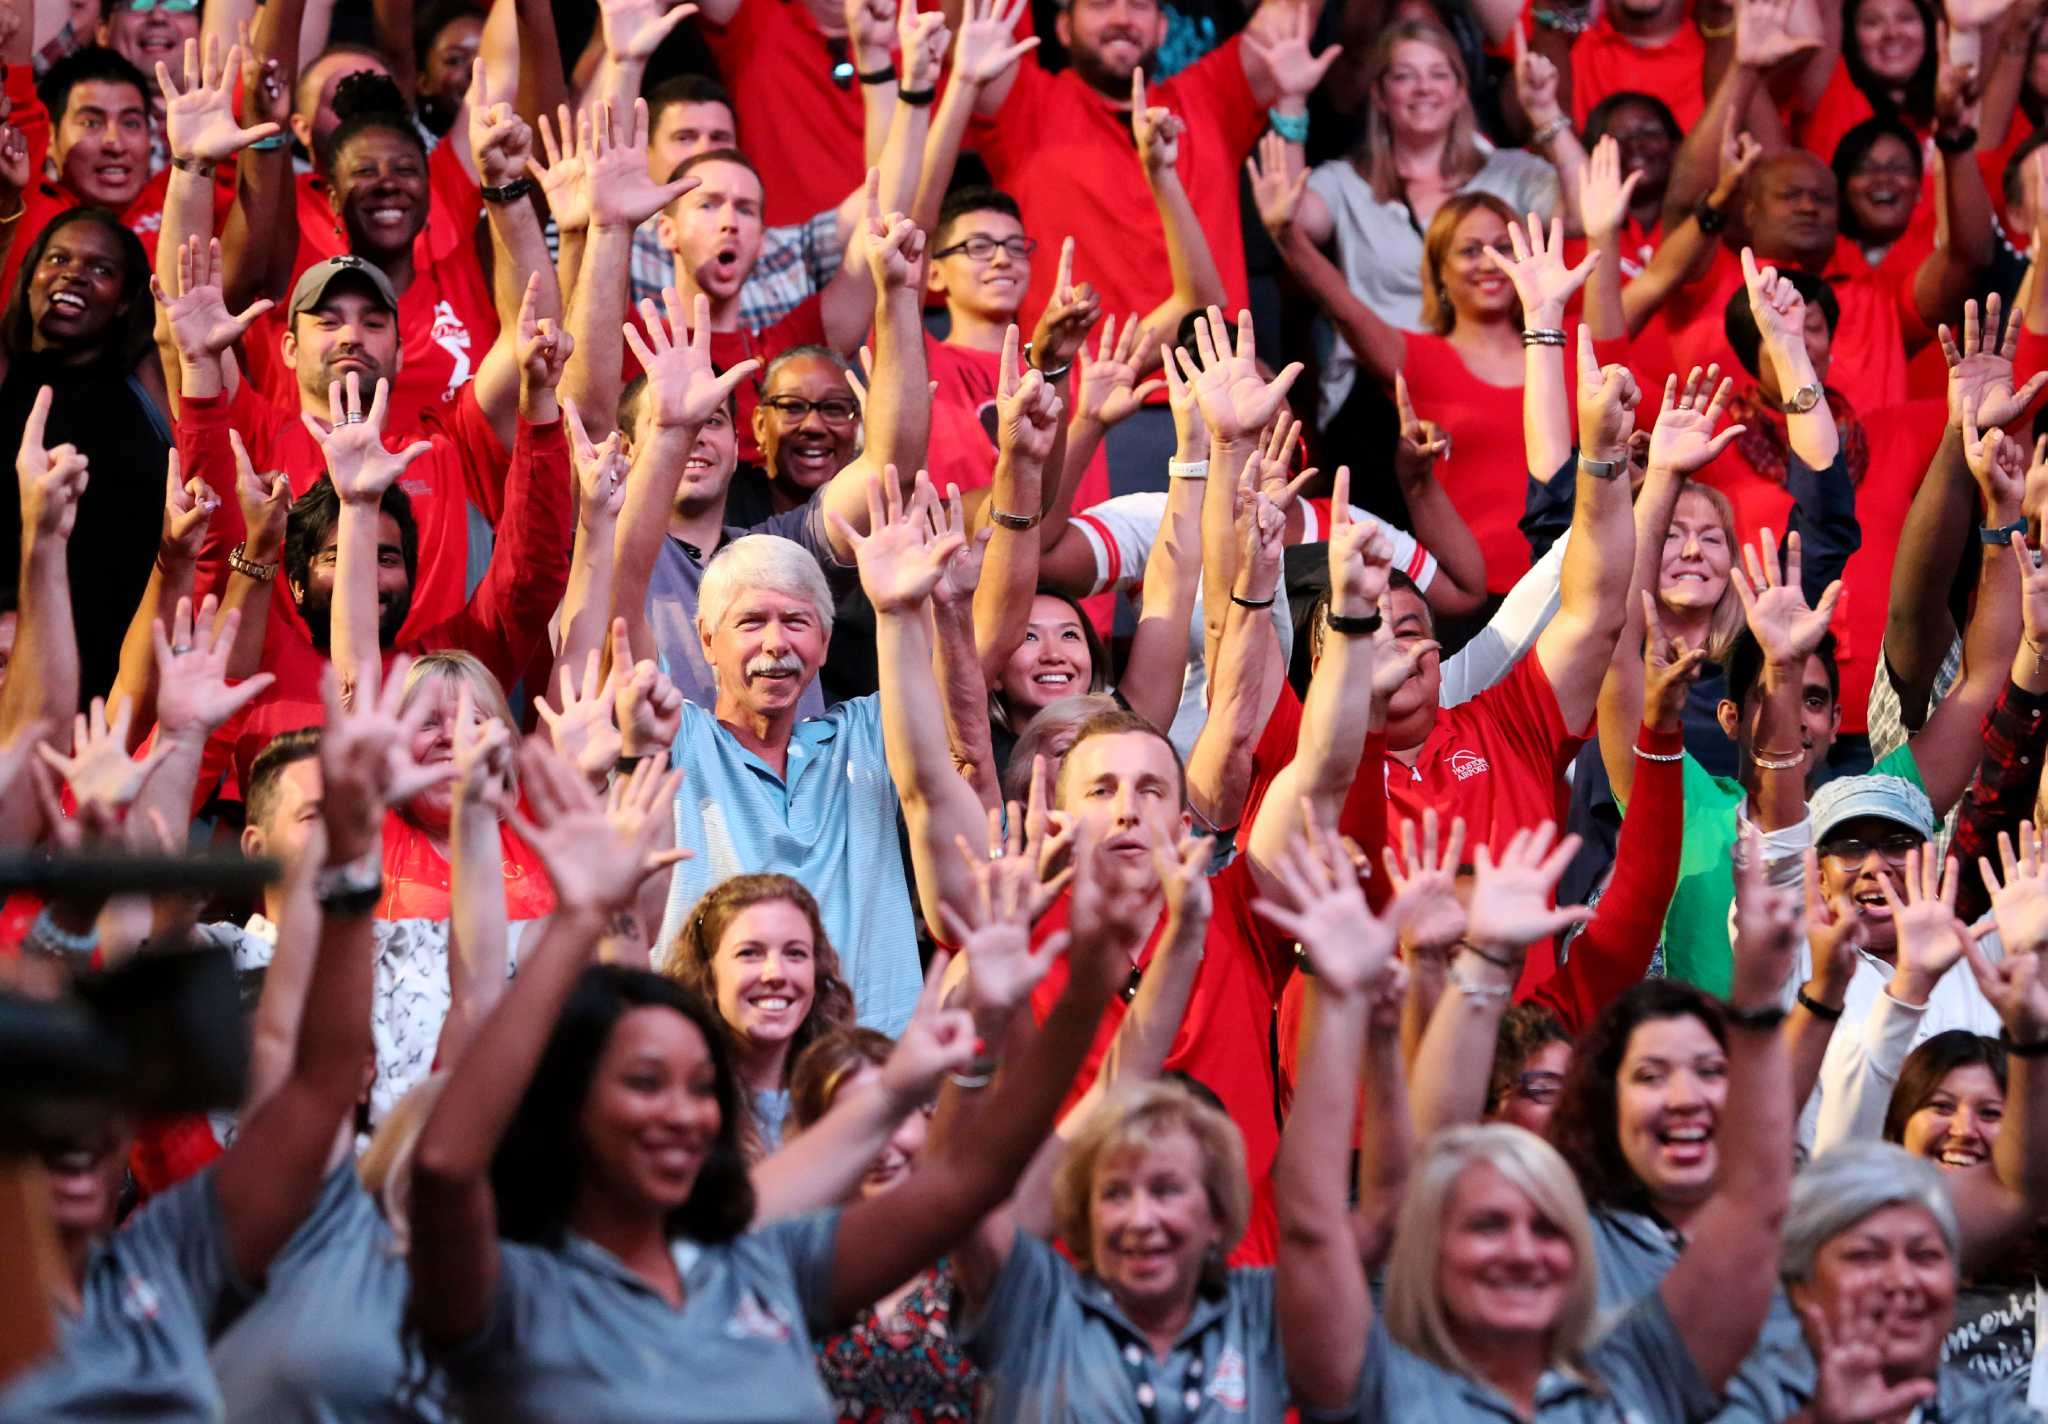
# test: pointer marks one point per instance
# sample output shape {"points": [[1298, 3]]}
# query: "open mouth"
{"points": [[1053, 680], [69, 303], [1961, 1157], [1686, 1145], [1871, 904]]}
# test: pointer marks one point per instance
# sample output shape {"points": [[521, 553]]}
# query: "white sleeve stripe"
{"points": [[1108, 557]]}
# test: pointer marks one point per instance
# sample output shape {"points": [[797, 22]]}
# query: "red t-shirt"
{"points": [[1604, 62], [454, 204], [793, 120], [1065, 153], [963, 442], [416, 875], [1224, 1039]]}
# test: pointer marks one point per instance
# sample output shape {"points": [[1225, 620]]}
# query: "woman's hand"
{"points": [[1315, 897], [1276, 192], [188, 510], [935, 1042], [1670, 669], [1849, 1362], [1683, 442], [597, 853], [563, 178], [581, 728], [1542, 281], [1930, 937], [1425, 882], [199, 120], [1604, 195], [1108, 391], [483, 757], [1512, 898]]}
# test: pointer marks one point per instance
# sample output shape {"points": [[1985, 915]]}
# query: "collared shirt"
{"points": [[574, 1334], [1055, 1348], [1784, 1385], [2001, 794], [830, 820], [137, 1347], [795, 262], [325, 1343]]}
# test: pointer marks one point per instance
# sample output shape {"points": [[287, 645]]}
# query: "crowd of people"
{"points": [[871, 711]]}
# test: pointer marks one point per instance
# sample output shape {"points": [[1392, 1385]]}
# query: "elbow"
{"points": [[1449, 599]]}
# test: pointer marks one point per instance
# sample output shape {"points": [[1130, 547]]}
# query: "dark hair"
{"points": [[818, 1074], [978, 198], [538, 1167], [1524, 1029], [367, 101], [1116, 724], [1854, 147], [132, 334], [1739, 323], [1584, 1129], [686, 89], [85, 66], [717, 155], [259, 789], [436, 17], [1099, 670], [1931, 1061], [1918, 108], [1744, 666], [1317, 622], [1603, 113], [315, 513], [2012, 182]]}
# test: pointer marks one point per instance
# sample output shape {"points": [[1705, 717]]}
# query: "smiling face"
{"points": [[1694, 573], [445, 76], [765, 652], [101, 144], [1151, 1223], [1126, 787], [1420, 91], [1792, 209], [1853, 858], [651, 1115], [992, 288], [1107, 39], [290, 815], [1532, 1099], [766, 970], [1478, 289], [1883, 188], [74, 294], [434, 743], [350, 329], [1052, 662], [394, 585], [1820, 717], [900, 1153], [805, 451], [1894, 1261], [714, 230], [1891, 38], [1669, 1093], [1504, 1269], [380, 192], [146, 38], [1957, 1127]]}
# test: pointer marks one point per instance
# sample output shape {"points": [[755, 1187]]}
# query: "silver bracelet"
{"points": [[971, 1080], [1659, 756], [1764, 764], [1187, 469], [50, 940], [1475, 991]]}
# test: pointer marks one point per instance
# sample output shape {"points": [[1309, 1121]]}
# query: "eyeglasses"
{"points": [[1856, 848], [1539, 1087], [169, 7], [837, 410], [980, 247]]}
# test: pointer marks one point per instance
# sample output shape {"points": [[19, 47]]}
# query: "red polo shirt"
{"points": [[963, 444], [1225, 1038], [1604, 62], [792, 118]]}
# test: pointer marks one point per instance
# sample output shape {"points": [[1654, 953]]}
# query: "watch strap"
{"points": [[1603, 469], [2001, 533]]}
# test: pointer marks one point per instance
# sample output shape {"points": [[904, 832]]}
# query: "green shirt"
{"points": [[1696, 947]]}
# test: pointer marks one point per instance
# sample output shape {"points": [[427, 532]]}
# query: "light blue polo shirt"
{"points": [[137, 1347], [831, 825], [574, 1335], [326, 1343], [1054, 1348], [1785, 1386]]}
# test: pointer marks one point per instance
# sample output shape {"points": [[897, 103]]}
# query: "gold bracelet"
{"points": [[249, 568], [15, 216]]}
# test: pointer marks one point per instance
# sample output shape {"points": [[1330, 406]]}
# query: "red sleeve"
{"points": [[28, 115], [203, 451], [1233, 889], [508, 614], [478, 450], [460, 196], [1523, 707], [1008, 137], [1615, 949]]}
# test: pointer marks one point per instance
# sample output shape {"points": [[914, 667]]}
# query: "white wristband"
{"points": [[1187, 469]]}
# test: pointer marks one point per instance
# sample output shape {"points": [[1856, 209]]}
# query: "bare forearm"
{"points": [[587, 602], [942, 151], [963, 698], [355, 641], [899, 407], [42, 685], [1918, 625], [1781, 792], [596, 325], [1546, 411], [1680, 258], [1246, 682], [1439, 528], [1606, 309], [477, 939], [651, 488], [1699, 156], [135, 676], [1157, 665]]}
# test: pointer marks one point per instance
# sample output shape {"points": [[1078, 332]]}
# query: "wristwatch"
{"points": [[2001, 533], [506, 192], [1802, 400], [1604, 469]]}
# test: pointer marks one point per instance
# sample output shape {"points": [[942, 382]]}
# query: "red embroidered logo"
{"points": [[1227, 1386]]}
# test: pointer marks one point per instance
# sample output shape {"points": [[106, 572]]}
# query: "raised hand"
{"points": [[188, 509], [265, 500], [935, 1042], [14, 165], [1763, 34], [900, 558], [600, 468], [1835, 936], [265, 94], [1738, 154], [99, 770], [649, 709], [1536, 86], [499, 139], [1010, 891], [1931, 938], [1608, 396], [1277, 194], [564, 177], [619, 192], [1425, 903], [51, 481], [1767, 927], [1027, 407], [1511, 905], [1542, 281], [1361, 555], [988, 46], [1280, 46], [1780, 314], [1670, 669], [893, 244], [1261, 535], [581, 727], [962, 575], [192, 690], [1683, 441], [2019, 896], [1850, 1384], [1422, 442], [1156, 129], [1107, 391], [634, 29], [2033, 593], [684, 389], [871, 26], [482, 756], [201, 324], [1999, 465], [366, 761], [199, 120], [922, 39], [1270, 469], [1235, 400], [1068, 315], [597, 853], [361, 468], [1786, 629], [1315, 897], [1604, 194], [1190, 432], [1980, 371]]}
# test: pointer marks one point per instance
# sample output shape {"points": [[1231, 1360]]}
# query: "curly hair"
{"points": [[1525, 1030], [1584, 1128], [536, 1173]]}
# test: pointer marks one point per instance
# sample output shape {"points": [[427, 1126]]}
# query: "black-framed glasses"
{"points": [[1856, 848], [981, 247], [836, 410], [1539, 1086]]}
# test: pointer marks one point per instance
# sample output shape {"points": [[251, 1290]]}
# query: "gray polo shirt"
{"points": [[137, 1347], [1784, 1386], [325, 1342], [573, 1334], [1054, 1347], [679, 572]]}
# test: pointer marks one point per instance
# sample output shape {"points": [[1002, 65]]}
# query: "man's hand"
{"points": [[499, 139], [201, 325], [1683, 442], [1738, 154], [193, 698], [634, 29], [600, 472], [1536, 86], [1027, 408], [1314, 897], [51, 480], [199, 120], [1763, 35], [893, 244], [1157, 130], [1604, 195], [1072, 310], [266, 97], [1608, 396], [1108, 391], [544, 349], [922, 39], [1931, 938], [1980, 371], [564, 178], [1541, 279], [188, 509], [1235, 400], [99, 770], [1277, 194], [1999, 465], [988, 46], [1786, 630], [482, 754], [1431, 916], [581, 728], [683, 388], [1280, 48], [2019, 904], [619, 193], [361, 468], [900, 558], [1361, 555], [871, 28], [14, 165], [1670, 669], [265, 501]]}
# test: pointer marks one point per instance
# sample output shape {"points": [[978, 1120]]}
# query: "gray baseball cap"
{"points": [[1886, 798], [311, 288]]}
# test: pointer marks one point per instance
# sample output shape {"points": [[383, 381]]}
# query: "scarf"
{"points": [[1765, 445]]}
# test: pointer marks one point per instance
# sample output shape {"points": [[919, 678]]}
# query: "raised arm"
{"points": [[192, 701], [522, 272], [188, 506], [632, 31], [1545, 286], [1027, 433], [479, 955], [956, 663], [1963, 216], [2013, 984], [986, 50], [1245, 681], [2008, 778], [600, 471], [42, 683], [1788, 632], [1196, 281], [1460, 584]]}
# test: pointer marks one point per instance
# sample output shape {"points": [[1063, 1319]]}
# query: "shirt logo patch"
{"points": [[756, 1320], [451, 335], [1466, 765], [139, 1300], [1227, 1386]]}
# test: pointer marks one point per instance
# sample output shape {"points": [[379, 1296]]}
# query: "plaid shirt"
{"points": [[2001, 795], [795, 262]]}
